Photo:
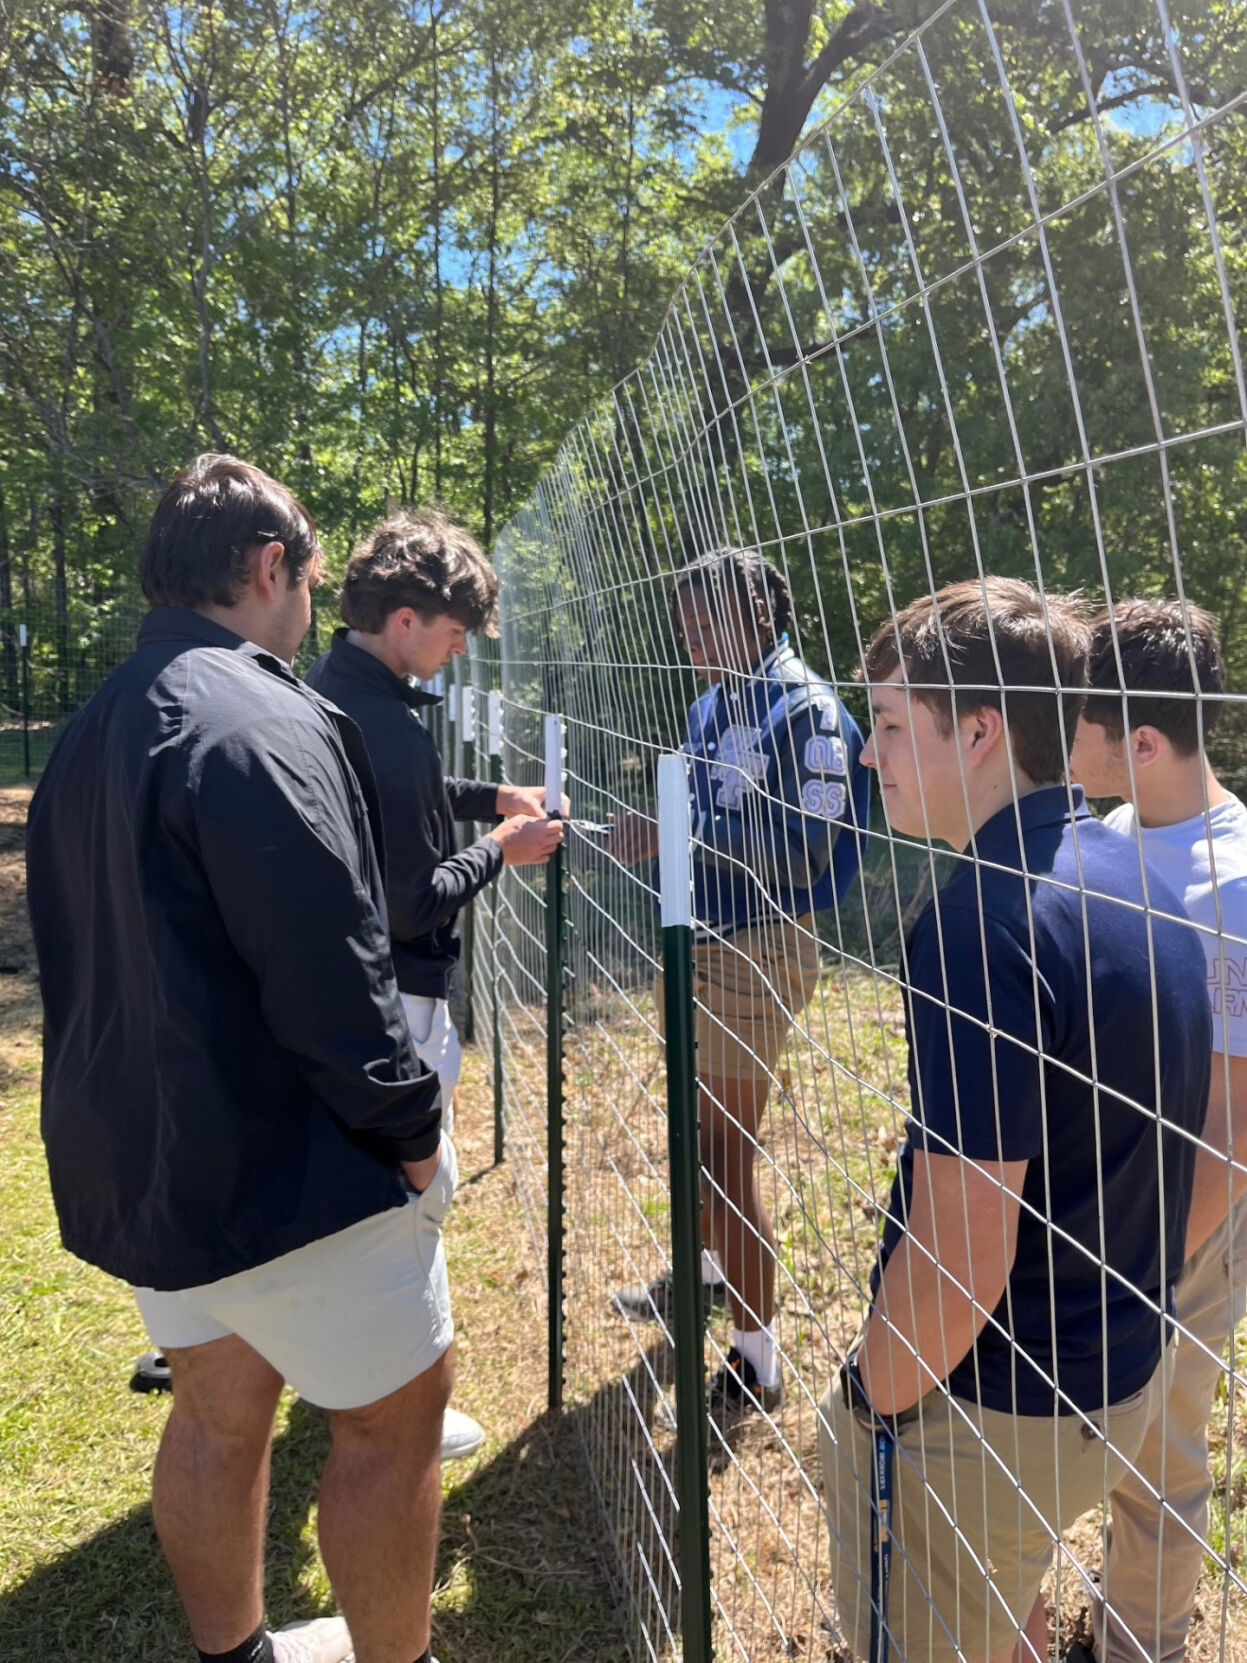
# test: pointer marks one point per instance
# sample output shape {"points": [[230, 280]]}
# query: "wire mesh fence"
{"points": [[60, 639], [981, 325], [52, 658]]}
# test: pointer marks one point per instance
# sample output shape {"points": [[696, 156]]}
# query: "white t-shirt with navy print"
{"points": [[1204, 861]]}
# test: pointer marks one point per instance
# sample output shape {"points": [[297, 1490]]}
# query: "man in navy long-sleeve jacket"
{"points": [[234, 1117]]}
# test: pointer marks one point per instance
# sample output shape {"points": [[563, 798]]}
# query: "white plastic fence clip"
{"points": [[495, 724], [468, 695], [21, 635], [675, 860], [555, 758]]}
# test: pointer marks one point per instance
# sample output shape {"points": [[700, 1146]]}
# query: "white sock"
{"points": [[711, 1269], [757, 1346]]}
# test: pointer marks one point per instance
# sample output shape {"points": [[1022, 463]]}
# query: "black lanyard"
{"points": [[882, 1450], [880, 1541]]}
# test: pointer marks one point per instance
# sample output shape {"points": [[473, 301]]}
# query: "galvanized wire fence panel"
{"points": [[60, 640], [982, 323], [52, 658]]}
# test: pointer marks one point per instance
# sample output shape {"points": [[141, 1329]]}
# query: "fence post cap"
{"points": [[554, 764], [675, 860]]}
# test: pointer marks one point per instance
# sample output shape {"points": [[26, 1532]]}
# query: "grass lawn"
{"points": [[13, 751], [81, 1577], [829, 1143], [519, 1577]]}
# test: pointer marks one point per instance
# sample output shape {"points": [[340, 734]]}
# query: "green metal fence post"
{"points": [[554, 1064], [467, 740], [684, 1156], [493, 739]]}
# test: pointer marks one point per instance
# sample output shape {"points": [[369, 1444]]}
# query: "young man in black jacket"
{"points": [[234, 1118], [414, 590]]}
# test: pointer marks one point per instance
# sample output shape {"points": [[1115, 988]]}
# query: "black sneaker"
{"points": [[733, 1392], [151, 1374], [657, 1300]]}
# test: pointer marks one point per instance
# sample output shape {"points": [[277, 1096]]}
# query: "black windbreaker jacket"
{"points": [[227, 1072], [427, 883]]}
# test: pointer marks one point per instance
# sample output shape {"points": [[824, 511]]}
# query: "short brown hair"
{"points": [[424, 561], [206, 525], [994, 641], [1165, 647]]}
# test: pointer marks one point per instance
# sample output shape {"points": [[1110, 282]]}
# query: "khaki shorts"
{"points": [[1013, 1484], [749, 988], [345, 1320]]}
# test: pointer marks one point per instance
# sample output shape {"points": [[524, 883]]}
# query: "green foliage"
{"points": [[938, 342], [385, 251], [396, 251]]}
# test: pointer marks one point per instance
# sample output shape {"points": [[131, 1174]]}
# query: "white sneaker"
{"points": [[323, 1640], [460, 1436]]}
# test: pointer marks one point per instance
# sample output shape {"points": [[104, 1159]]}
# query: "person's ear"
{"points": [[266, 569], [1147, 745], [981, 732]]}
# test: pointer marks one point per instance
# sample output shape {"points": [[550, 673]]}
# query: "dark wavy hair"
{"points": [[424, 561], [756, 585], [206, 525]]}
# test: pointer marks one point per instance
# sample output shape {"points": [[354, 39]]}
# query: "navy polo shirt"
{"points": [[1029, 977]]}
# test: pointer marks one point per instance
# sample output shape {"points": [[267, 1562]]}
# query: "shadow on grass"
{"points": [[522, 1572], [111, 1600], [520, 1575]]}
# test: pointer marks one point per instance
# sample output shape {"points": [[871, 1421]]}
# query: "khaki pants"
{"points": [[980, 1500], [1155, 1545], [749, 988]]}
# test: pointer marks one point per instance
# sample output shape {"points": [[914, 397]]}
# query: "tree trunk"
{"points": [[297, 310], [491, 309], [357, 470], [56, 516], [112, 46], [439, 310], [622, 355], [792, 85], [8, 625]]}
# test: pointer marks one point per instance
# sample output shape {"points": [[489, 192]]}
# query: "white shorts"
{"points": [[346, 1320], [436, 1043]]}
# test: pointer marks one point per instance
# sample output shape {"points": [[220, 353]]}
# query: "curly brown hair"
{"points": [[424, 561]]}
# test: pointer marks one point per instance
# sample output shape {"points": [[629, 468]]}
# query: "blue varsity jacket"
{"points": [[779, 795]]}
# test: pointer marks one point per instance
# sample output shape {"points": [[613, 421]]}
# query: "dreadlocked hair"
{"points": [[753, 582]]}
